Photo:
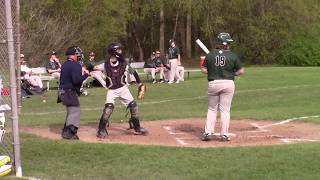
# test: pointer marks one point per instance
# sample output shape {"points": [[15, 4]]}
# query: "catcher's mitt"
{"points": [[141, 91]]}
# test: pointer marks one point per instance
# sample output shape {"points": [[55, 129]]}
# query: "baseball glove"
{"points": [[141, 91]]}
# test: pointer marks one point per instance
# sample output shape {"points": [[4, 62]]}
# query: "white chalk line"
{"points": [[269, 136], [263, 128], [285, 140], [179, 140], [182, 142], [260, 129], [177, 99], [289, 120], [291, 140]]}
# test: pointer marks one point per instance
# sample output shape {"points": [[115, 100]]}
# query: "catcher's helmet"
{"points": [[75, 50], [113, 47], [224, 38]]}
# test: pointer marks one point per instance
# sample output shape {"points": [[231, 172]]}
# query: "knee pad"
{"points": [[133, 107], [108, 108]]}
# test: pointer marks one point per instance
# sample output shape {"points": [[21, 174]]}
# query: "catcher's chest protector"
{"points": [[115, 74]]}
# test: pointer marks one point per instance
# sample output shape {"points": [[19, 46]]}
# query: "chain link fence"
{"points": [[8, 100]]}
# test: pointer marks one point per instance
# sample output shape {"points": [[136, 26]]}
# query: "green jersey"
{"points": [[52, 65], [158, 61], [149, 63], [173, 52], [221, 64]]}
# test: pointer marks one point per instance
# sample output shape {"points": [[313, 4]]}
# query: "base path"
{"points": [[188, 133]]}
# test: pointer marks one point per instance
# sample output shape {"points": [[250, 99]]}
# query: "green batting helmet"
{"points": [[224, 38]]}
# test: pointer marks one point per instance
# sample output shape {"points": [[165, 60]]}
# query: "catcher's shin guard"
{"points": [[104, 120], [134, 121]]}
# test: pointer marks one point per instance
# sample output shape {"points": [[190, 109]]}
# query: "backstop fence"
{"points": [[9, 84]]}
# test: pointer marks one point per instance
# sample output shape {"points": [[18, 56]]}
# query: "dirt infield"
{"points": [[188, 132]]}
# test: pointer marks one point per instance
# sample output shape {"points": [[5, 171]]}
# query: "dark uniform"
{"points": [[70, 83], [159, 66], [221, 64], [116, 70]]}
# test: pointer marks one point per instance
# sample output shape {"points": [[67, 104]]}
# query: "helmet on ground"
{"points": [[224, 38], [113, 47]]}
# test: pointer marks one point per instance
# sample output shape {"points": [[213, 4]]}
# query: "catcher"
{"points": [[116, 70]]}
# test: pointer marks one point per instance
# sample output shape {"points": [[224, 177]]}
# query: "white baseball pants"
{"points": [[220, 94]]}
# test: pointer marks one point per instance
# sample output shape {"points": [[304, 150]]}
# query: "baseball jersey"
{"points": [[173, 52], [115, 74], [149, 63], [158, 62], [221, 64], [52, 65], [90, 65]]}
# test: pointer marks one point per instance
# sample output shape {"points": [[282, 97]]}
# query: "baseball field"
{"points": [[275, 121]]}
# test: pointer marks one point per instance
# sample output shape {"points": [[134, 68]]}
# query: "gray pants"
{"points": [[73, 116]]}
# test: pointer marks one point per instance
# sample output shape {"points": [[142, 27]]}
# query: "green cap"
{"points": [[224, 38]]}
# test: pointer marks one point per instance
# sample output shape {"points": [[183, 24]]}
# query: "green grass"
{"points": [[273, 93], [74, 160]]}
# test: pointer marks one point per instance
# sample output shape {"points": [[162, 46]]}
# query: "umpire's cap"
{"points": [[74, 50]]}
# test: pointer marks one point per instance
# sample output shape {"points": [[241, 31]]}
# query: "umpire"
{"points": [[72, 76]]}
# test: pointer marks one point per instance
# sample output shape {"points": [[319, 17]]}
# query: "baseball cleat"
{"points": [[140, 131], [70, 133], [206, 137], [225, 138], [70, 136], [102, 133]]}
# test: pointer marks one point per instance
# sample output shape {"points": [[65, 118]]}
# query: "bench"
{"points": [[139, 65], [43, 74], [191, 70]]}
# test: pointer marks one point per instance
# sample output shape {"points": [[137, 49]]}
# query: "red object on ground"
{"points": [[202, 60], [5, 91]]}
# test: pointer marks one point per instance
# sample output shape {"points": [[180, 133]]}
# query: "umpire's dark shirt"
{"points": [[71, 75]]}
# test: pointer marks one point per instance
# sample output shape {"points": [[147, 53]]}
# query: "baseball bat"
{"points": [[202, 46]]}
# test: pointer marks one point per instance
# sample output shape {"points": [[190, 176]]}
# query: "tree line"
{"points": [[265, 31]]}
